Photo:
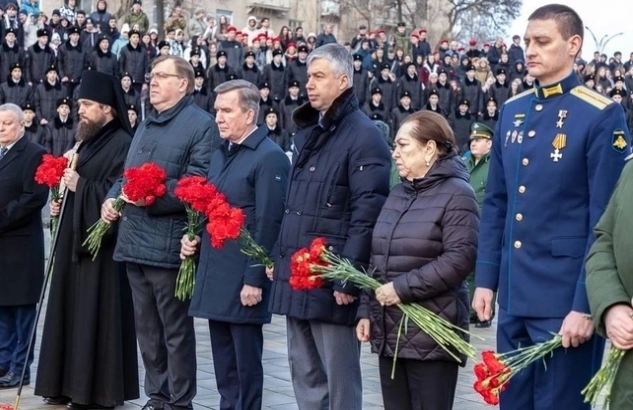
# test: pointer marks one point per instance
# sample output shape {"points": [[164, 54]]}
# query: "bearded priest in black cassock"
{"points": [[88, 352]]}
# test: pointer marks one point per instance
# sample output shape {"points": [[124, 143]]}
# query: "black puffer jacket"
{"points": [[425, 242]]}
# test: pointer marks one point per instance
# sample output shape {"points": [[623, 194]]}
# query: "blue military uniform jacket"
{"points": [[556, 156]]}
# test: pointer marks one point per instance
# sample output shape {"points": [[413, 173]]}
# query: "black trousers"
{"points": [[237, 360], [165, 336], [418, 385]]}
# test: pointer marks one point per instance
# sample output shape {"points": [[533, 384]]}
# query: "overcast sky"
{"points": [[601, 16]]}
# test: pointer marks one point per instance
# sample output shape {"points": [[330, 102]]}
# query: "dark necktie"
{"points": [[3, 152]]}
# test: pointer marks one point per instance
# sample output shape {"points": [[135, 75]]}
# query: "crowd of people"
{"points": [[400, 158]]}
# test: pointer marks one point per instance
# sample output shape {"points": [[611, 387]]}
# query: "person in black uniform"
{"points": [[433, 103], [60, 132], [133, 60], [72, 60], [249, 71], [375, 105], [201, 95], [219, 72], [102, 59], [471, 91], [387, 87], [194, 59], [298, 70], [361, 80], [132, 115], [275, 132], [266, 101], [47, 95], [276, 75], [460, 122], [38, 58], [444, 92], [129, 93], [15, 90], [410, 82], [32, 130], [491, 114], [10, 53], [401, 112], [500, 90], [291, 102]]}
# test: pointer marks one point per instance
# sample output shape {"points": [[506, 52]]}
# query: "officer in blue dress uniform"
{"points": [[557, 153]]}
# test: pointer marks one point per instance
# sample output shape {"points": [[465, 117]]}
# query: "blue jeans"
{"points": [[16, 323]]}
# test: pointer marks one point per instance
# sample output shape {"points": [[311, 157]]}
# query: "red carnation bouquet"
{"points": [[603, 379], [496, 369], [196, 194], [50, 173], [228, 223], [310, 267], [146, 182]]}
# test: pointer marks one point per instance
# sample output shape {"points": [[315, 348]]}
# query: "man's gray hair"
{"points": [[340, 60], [248, 94], [19, 114]]}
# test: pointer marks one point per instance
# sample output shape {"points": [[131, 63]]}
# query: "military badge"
{"points": [[520, 137], [514, 136], [619, 140], [518, 120], [507, 138], [560, 142], [562, 115]]}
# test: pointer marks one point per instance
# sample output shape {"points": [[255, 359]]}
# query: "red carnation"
{"points": [[481, 371], [492, 363]]}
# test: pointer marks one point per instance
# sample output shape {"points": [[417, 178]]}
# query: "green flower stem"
{"points": [[98, 229], [186, 279], [253, 249], [441, 331], [604, 379]]}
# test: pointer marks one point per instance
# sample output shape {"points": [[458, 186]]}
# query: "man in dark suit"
{"points": [[21, 276]]}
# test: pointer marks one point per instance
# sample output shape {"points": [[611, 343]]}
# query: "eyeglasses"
{"points": [[160, 76]]}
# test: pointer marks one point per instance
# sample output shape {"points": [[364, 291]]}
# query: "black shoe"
{"points": [[12, 379], [76, 406], [57, 401], [473, 320], [149, 406], [3, 372], [483, 324]]}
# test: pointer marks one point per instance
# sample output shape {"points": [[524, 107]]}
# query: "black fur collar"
{"points": [[203, 91], [6, 48], [499, 85], [247, 68], [38, 49], [138, 48], [459, 115], [274, 67], [69, 46], [473, 82], [403, 110], [68, 124], [374, 107], [219, 69], [407, 77], [48, 86], [12, 83], [288, 101], [494, 117], [100, 53], [383, 81], [445, 85]]}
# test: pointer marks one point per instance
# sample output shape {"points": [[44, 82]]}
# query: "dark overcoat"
{"points": [[21, 232], [338, 183], [254, 177]]}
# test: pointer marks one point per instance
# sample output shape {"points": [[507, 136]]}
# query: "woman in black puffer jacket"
{"points": [[424, 245]]}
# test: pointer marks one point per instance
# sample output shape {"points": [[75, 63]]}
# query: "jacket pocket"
{"points": [[573, 247], [330, 185]]}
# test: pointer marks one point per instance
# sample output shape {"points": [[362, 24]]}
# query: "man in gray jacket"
{"points": [[177, 136]]}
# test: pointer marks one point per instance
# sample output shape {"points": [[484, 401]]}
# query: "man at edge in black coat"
{"points": [[22, 274]]}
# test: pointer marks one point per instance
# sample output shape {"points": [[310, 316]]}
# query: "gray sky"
{"points": [[603, 17]]}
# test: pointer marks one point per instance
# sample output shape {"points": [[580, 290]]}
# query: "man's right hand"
{"points": [[108, 213], [55, 208], [618, 321], [43, 121], [269, 272], [362, 330], [188, 247], [482, 303]]}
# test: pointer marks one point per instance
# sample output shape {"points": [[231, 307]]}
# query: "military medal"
{"points": [[560, 141], [507, 137], [514, 136], [562, 115], [518, 120], [520, 138]]}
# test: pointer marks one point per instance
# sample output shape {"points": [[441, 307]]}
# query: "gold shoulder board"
{"points": [[591, 97], [521, 95]]}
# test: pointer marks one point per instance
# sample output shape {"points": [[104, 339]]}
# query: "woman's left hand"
{"points": [[386, 295]]}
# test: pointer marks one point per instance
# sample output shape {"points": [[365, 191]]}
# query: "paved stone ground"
{"points": [[278, 392]]}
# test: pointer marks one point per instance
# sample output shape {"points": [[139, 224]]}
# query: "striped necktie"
{"points": [[3, 152]]}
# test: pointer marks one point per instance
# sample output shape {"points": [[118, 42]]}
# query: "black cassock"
{"points": [[88, 350]]}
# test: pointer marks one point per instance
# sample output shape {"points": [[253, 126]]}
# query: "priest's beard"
{"points": [[87, 130]]}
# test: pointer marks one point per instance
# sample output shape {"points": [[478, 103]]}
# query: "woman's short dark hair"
{"points": [[427, 126]]}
